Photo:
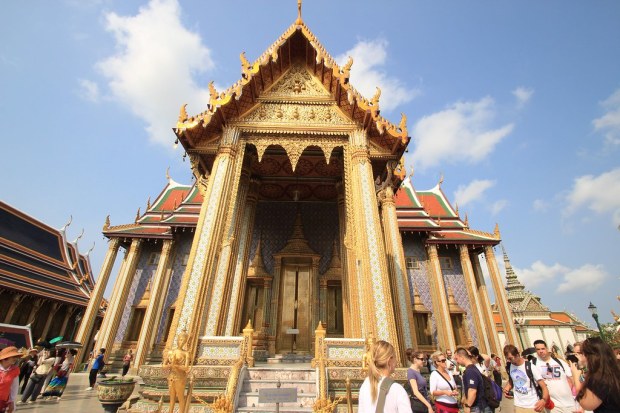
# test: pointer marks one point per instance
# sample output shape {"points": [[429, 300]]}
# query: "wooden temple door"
{"points": [[295, 310]]}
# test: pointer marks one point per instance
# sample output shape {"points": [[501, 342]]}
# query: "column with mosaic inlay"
{"points": [[441, 312], [237, 290], [154, 310], [474, 300], [369, 246], [500, 295], [219, 298], [350, 291], [113, 314], [207, 246], [396, 265], [94, 304], [486, 311]]}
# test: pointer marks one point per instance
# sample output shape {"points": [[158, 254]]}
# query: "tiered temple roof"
{"points": [[37, 259]]}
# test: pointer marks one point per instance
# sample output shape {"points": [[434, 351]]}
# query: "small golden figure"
{"points": [[367, 358], [178, 361]]}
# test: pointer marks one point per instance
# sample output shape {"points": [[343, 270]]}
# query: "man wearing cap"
{"points": [[9, 372]]}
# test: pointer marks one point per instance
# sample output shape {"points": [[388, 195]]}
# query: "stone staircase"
{"points": [[298, 375]]}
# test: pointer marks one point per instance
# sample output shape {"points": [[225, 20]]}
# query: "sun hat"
{"points": [[9, 352]]}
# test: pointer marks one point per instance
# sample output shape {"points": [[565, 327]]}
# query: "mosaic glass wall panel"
{"points": [[413, 246], [274, 225], [454, 278], [182, 249], [144, 273]]}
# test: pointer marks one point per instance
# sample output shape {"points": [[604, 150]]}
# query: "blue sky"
{"points": [[517, 104]]}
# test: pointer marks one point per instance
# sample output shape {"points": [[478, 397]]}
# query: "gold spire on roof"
{"points": [[183, 113], [466, 221], [299, 20], [456, 206], [496, 231], [106, 224], [440, 180], [148, 203], [137, 215], [168, 174]]}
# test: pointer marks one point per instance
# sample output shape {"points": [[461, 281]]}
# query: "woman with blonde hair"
{"points": [[443, 386], [420, 402], [375, 396]]}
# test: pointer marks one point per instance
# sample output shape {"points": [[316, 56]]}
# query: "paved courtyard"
{"points": [[74, 399]]}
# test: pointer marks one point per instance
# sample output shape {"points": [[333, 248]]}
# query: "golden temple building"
{"points": [[301, 238]]}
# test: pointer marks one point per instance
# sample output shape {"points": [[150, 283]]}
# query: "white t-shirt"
{"points": [[524, 391], [437, 382], [556, 380], [396, 400]]}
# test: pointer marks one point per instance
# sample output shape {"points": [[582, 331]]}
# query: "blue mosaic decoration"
{"points": [[414, 247], [183, 247], [144, 273], [274, 224], [455, 278]]}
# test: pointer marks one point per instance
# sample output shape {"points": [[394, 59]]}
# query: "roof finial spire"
{"points": [[440, 180], [299, 20], [168, 174]]}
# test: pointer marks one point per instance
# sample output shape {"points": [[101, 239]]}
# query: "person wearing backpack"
{"points": [[474, 400], [528, 386], [379, 393], [558, 378]]}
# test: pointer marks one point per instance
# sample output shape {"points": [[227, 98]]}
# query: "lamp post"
{"points": [[594, 312]]}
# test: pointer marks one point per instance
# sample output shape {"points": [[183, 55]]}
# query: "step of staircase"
{"points": [[268, 376]]}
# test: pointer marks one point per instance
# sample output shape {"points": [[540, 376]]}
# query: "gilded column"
{"points": [[220, 299], [17, 298], [233, 316], [370, 251], [352, 326], [500, 295], [113, 314], [396, 265], [323, 301], [486, 310], [474, 300], [197, 280], [94, 304], [154, 310], [445, 336]]}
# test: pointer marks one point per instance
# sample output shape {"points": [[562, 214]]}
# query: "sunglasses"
{"points": [[441, 361], [421, 359]]}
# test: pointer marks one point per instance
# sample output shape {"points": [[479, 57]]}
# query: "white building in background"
{"points": [[534, 321]]}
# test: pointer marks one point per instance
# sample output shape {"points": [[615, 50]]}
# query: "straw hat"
{"points": [[9, 352]]}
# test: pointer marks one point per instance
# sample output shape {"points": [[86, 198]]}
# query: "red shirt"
{"points": [[6, 379]]}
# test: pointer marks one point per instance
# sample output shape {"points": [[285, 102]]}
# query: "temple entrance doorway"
{"points": [[295, 307]]}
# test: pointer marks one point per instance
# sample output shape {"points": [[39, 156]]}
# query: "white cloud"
{"points": [[540, 205], [497, 206], [609, 123], [88, 90], [465, 194], [366, 74], [588, 277], [153, 68], [523, 95], [597, 193], [460, 133]]}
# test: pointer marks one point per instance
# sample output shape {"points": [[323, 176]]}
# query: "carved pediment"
{"points": [[533, 305], [295, 114], [297, 83]]}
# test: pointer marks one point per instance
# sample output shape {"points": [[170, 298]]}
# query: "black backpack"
{"points": [[492, 392]]}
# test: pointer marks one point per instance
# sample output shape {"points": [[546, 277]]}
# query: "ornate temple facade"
{"points": [[44, 280], [534, 320], [300, 215]]}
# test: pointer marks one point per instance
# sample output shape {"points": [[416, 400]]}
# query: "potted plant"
{"points": [[113, 392]]}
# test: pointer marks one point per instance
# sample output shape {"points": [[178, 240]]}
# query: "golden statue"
{"points": [[367, 357], [178, 361]]}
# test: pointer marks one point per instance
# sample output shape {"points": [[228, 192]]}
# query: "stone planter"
{"points": [[112, 393]]}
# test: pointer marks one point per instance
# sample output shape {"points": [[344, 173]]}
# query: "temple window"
{"points": [[153, 258], [422, 327], [445, 263], [458, 329], [184, 260], [412, 263], [335, 323], [135, 324]]}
